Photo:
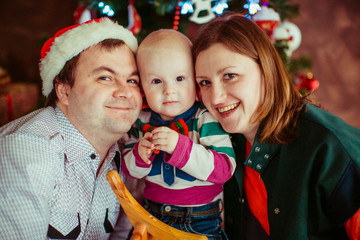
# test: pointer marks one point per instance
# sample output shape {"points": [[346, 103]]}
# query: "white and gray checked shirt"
{"points": [[48, 183]]}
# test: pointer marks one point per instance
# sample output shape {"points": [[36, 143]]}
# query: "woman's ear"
{"points": [[62, 92]]}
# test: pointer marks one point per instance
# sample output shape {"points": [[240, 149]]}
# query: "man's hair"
{"points": [[281, 105], [67, 74]]}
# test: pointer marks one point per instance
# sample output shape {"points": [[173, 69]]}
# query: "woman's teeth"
{"points": [[228, 108]]}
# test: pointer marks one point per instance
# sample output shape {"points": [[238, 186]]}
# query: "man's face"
{"points": [[105, 99]]}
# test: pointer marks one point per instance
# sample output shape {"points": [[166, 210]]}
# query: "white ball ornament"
{"points": [[288, 31]]}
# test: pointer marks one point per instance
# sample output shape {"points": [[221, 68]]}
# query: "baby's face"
{"points": [[167, 77]]}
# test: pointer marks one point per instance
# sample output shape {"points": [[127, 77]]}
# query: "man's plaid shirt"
{"points": [[48, 183]]}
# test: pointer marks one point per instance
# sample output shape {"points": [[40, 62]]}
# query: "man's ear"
{"points": [[62, 92]]}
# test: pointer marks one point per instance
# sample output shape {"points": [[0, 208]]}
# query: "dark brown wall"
{"points": [[330, 35], [23, 27]]}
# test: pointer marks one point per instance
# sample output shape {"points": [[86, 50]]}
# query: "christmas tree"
{"points": [[186, 16]]}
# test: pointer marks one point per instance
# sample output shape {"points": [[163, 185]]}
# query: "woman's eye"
{"points": [[204, 83], [156, 81], [229, 75], [180, 78]]}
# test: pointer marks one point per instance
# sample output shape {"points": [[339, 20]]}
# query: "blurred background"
{"points": [[319, 41]]}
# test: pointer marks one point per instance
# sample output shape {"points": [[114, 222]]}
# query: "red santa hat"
{"points": [[69, 42]]}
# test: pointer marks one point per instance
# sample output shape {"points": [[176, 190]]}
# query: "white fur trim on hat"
{"points": [[74, 41]]}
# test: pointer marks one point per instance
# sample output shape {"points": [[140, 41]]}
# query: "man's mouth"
{"points": [[228, 108]]}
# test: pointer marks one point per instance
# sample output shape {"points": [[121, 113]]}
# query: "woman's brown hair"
{"points": [[281, 104]]}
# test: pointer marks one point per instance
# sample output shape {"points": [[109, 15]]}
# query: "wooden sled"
{"points": [[146, 226]]}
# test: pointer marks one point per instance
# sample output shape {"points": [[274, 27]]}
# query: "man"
{"points": [[53, 162]]}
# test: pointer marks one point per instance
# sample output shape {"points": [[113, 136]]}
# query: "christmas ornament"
{"points": [[134, 19], [267, 19], [306, 83], [289, 32], [203, 6], [83, 14]]}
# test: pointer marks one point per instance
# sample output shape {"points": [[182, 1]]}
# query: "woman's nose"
{"points": [[218, 94]]}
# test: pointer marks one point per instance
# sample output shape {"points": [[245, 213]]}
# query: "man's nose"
{"points": [[122, 90]]}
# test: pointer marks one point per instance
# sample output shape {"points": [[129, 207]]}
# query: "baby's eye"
{"points": [[204, 83], [180, 78], [229, 76], [156, 81]]}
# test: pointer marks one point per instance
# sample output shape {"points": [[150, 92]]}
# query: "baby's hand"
{"points": [[146, 148], [165, 139]]}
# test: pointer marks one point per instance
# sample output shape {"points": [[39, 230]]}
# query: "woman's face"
{"points": [[231, 88]]}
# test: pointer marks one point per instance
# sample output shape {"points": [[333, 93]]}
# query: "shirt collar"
{"points": [[260, 155]]}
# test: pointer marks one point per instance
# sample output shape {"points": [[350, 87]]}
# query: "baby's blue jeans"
{"points": [[203, 219]]}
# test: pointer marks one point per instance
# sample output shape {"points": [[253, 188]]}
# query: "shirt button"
{"points": [[258, 167], [167, 166], [93, 156], [266, 156], [257, 149], [276, 210], [167, 208], [249, 161]]}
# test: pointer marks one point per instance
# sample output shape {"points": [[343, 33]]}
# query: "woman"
{"points": [[299, 175]]}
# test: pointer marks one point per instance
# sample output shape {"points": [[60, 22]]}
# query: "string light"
{"points": [[177, 16], [252, 6], [219, 7], [106, 9], [186, 7]]}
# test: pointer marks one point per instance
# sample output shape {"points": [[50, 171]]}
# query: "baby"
{"points": [[180, 149]]}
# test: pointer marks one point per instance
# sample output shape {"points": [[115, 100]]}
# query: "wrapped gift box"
{"points": [[16, 100]]}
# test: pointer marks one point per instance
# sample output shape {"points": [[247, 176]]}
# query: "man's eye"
{"points": [[156, 81], [133, 81], [180, 78], [105, 78]]}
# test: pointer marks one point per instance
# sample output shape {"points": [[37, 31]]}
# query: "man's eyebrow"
{"points": [[135, 73], [104, 68]]}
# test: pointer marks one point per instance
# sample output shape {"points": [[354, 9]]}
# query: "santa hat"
{"points": [[69, 42]]}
